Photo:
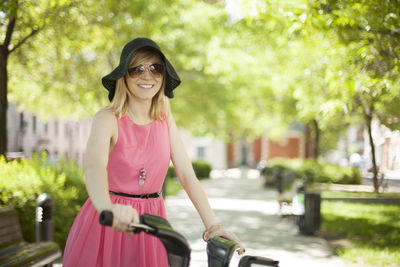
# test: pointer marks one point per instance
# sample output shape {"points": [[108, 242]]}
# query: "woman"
{"points": [[128, 153]]}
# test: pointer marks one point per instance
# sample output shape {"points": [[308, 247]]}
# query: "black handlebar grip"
{"points": [[106, 218]]}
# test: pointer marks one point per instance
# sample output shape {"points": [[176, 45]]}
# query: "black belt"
{"points": [[152, 195]]}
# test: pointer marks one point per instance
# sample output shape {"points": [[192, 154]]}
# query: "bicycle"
{"points": [[219, 250]]}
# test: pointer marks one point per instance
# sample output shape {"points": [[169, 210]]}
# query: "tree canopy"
{"points": [[248, 67]]}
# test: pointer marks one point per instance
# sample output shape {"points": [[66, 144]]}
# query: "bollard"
{"points": [[44, 218]]}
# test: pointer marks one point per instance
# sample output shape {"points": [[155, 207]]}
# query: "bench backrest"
{"points": [[10, 229]]}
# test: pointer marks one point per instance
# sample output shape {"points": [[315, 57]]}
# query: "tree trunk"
{"points": [[316, 138], [309, 142], [371, 143], [3, 100]]}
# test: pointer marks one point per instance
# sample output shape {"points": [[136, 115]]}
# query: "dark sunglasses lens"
{"points": [[136, 71], [156, 68]]}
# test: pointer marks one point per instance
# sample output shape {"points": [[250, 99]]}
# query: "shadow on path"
{"points": [[247, 208]]}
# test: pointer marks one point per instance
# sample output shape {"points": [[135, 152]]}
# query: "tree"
{"points": [[243, 74], [370, 31], [304, 60], [62, 75], [20, 22]]}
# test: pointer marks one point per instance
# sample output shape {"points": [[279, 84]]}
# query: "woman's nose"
{"points": [[146, 74]]}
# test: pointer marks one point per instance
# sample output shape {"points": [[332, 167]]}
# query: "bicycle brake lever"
{"points": [[141, 227]]}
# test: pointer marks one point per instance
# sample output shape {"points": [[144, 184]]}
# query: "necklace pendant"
{"points": [[141, 182], [143, 173], [142, 176]]}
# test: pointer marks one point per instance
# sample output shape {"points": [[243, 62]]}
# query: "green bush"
{"points": [[202, 169], [23, 181], [310, 171], [171, 172], [268, 174]]}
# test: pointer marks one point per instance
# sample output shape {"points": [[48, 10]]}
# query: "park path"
{"points": [[244, 206]]}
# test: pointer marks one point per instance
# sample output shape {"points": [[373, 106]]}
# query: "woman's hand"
{"points": [[123, 215], [218, 230]]}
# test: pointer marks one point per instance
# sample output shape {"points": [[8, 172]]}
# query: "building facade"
{"points": [[354, 149], [387, 148], [59, 138], [67, 138], [205, 148], [262, 149]]}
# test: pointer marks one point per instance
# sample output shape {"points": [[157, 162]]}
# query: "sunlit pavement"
{"points": [[243, 205]]}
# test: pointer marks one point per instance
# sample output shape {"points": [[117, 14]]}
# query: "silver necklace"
{"points": [[142, 171]]}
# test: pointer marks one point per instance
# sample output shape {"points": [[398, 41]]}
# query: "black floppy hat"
{"points": [[109, 81]]}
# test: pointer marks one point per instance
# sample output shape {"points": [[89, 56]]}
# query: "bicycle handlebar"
{"points": [[106, 218], [219, 249]]}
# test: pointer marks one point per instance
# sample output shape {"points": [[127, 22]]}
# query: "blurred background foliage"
{"points": [[24, 180], [201, 168], [248, 67], [283, 172]]}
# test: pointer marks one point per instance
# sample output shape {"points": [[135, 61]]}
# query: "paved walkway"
{"points": [[244, 206]]}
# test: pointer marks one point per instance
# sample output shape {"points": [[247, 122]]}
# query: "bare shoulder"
{"points": [[168, 114], [105, 116]]}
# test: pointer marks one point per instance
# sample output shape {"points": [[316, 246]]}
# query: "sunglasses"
{"points": [[155, 69]]}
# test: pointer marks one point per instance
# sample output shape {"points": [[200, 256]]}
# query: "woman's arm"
{"points": [[104, 127], [190, 183], [187, 177], [96, 159]]}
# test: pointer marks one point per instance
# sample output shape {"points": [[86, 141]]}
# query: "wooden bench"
{"points": [[14, 251]]}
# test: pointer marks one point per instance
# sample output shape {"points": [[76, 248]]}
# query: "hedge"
{"points": [[310, 171], [171, 172], [24, 180], [201, 168]]}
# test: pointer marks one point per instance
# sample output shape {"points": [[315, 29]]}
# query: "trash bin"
{"points": [[306, 206], [312, 212], [44, 218]]}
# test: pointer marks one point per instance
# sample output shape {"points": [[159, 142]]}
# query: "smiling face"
{"points": [[145, 76]]}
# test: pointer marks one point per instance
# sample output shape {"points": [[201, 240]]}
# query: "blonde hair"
{"points": [[159, 103]]}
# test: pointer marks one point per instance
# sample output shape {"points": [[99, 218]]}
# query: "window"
{"points": [[201, 152]]}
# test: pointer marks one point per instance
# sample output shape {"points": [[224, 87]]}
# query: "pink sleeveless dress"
{"points": [[89, 243]]}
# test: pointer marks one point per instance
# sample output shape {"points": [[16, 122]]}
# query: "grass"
{"points": [[350, 194], [372, 229]]}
